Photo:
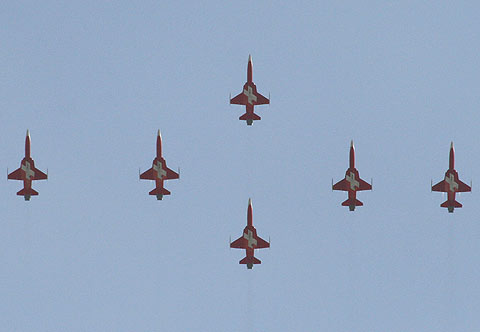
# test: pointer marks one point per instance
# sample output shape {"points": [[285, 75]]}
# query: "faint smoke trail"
{"points": [[251, 175], [450, 280], [27, 228], [250, 319], [350, 287]]}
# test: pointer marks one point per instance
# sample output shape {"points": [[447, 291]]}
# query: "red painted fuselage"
{"points": [[451, 184], [352, 183], [27, 173], [250, 240], [159, 172], [249, 97]]}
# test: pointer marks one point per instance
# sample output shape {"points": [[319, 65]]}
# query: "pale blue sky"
{"points": [[93, 81]]}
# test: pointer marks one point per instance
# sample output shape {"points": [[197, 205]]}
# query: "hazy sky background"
{"points": [[94, 80]]}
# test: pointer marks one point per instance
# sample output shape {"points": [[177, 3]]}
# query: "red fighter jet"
{"points": [[249, 97], [27, 173], [352, 183], [451, 184], [250, 241], [159, 172]]}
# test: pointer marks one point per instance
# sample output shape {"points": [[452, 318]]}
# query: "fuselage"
{"points": [[352, 176], [159, 165], [249, 241], [451, 184], [249, 97], [249, 90], [451, 176], [250, 234], [159, 170], [27, 165]]}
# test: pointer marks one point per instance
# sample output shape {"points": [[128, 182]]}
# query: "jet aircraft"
{"points": [[451, 184], [249, 240], [249, 97], [159, 172], [27, 173], [352, 183]]}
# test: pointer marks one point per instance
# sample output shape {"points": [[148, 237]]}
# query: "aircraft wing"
{"points": [[39, 175], [364, 185], [261, 243], [171, 174], [439, 186], [462, 187], [341, 185], [15, 175], [240, 243], [240, 99], [261, 100], [147, 175]]}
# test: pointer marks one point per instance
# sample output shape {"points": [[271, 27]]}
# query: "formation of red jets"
{"points": [[249, 97]]}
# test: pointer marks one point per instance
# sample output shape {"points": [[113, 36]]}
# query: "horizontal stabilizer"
{"points": [[250, 116], [159, 191], [250, 260], [351, 202], [447, 204], [27, 192]]}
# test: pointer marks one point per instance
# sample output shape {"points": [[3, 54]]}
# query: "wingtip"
{"points": [[351, 143], [249, 58], [451, 145], [249, 202], [28, 133], [158, 133]]}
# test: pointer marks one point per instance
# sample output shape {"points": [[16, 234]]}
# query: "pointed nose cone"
{"points": [[249, 70], [250, 213], [27, 144], [159, 144], [452, 157], [352, 154]]}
